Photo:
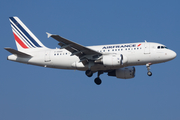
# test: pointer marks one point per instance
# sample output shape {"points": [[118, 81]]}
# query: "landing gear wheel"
{"points": [[89, 73], [98, 81], [149, 73]]}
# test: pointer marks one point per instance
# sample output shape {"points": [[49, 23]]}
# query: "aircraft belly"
{"points": [[104, 68], [140, 59], [63, 62]]}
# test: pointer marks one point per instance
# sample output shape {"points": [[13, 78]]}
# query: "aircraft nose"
{"points": [[173, 54]]}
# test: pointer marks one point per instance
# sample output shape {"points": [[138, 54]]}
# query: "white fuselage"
{"points": [[135, 53], [116, 60]]}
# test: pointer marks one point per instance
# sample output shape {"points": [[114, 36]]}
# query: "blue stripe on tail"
{"points": [[25, 32], [24, 39]]}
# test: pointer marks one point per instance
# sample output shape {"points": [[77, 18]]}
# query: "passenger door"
{"points": [[47, 56], [146, 48]]}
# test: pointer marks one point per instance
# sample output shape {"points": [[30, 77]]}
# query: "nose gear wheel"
{"points": [[149, 73]]}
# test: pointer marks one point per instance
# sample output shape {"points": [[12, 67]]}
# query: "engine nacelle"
{"points": [[114, 60], [123, 73]]}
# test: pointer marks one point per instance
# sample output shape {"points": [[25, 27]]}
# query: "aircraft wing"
{"points": [[74, 48]]}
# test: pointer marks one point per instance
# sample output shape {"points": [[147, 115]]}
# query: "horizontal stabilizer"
{"points": [[18, 53]]}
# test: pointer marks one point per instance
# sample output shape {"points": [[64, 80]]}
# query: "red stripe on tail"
{"points": [[19, 41]]}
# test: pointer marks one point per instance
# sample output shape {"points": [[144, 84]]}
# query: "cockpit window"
{"points": [[162, 47]]}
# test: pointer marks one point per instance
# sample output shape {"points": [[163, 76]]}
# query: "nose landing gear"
{"points": [[149, 73]]}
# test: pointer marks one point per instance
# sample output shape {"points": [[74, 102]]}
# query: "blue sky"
{"points": [[30, 92]]}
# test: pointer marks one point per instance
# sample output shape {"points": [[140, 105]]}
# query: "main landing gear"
{"points": [[97, 80], [89, 73], [149, 73]]}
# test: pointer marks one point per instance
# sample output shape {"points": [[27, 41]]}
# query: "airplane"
{"points": [[117, 60]]}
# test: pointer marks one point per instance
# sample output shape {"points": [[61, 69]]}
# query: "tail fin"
{"points": [[24, 38]]}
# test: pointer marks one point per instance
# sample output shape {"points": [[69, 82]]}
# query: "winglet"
{"points": [[48, 34]]}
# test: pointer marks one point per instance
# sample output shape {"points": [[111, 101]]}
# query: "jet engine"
{"points": [[123, 73], [114, 60]]}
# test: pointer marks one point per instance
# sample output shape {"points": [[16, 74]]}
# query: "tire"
{"points": [[89, 73], [97, 81], [149, 73]]}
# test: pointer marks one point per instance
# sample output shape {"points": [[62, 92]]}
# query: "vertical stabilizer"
{"points": [[24, 38]]}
